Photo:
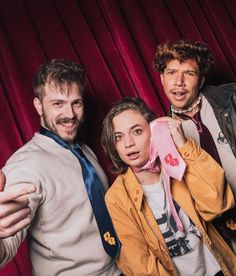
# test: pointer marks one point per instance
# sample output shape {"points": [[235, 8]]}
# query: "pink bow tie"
{"points": [[162, 145]]}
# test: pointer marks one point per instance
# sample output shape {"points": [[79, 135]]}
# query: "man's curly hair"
{"points": [[183, 50]]}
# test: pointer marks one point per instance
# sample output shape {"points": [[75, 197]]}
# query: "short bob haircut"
{"points": [[183, 50], [108, 137]]}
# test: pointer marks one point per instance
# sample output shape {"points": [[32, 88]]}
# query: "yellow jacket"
{"points": [[202, 194]]}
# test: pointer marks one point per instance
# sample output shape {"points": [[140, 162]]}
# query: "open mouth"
{"points": [[69, 128], [179, 95], [68, 125], [133, 155]]}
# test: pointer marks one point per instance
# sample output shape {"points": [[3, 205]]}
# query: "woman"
{"points": [[152, 241]]}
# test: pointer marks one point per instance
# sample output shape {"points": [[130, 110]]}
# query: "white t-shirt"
{"points": [[189, 254]]}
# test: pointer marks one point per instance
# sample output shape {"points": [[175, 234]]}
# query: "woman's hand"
{"points": [[176, 131]]}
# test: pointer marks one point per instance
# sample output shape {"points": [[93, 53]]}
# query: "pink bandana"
{"points": [[173, 165]]}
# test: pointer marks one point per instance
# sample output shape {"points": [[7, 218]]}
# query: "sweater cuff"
{"points": [[190, 150]]}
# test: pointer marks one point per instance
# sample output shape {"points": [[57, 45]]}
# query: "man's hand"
{"points": [[14, 210]]}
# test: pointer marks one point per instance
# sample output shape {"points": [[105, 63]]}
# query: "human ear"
{"points": [[38, 106], [201, 82], [161, 77]]}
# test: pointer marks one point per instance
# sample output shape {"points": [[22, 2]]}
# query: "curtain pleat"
{"points": [[115, 40]]}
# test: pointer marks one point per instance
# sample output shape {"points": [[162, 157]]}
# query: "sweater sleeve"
{"points": [[18, 172], [206, 182]]}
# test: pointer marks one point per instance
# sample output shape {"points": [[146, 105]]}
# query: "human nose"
{"points": [[69, 111], [128, 141], [179, 79]]}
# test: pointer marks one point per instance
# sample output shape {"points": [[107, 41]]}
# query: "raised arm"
{"points": [[206, 182], [204, 177]]}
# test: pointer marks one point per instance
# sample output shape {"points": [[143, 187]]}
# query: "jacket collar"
{"points": [[133, 188], [219, 96], [135, 192]]}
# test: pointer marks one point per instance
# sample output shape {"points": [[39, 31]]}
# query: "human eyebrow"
{"points": [[131, 128], [56, 101], [195, 72], [170, 69], [137, 125]]}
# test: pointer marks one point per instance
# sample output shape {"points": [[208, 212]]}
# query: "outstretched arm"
{"points": [[14, 210]]}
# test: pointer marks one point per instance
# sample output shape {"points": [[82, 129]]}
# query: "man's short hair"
{"points": [[58, 72], [183, 50]]}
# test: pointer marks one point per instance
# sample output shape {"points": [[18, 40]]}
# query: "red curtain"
{"points": [[115, 40]]}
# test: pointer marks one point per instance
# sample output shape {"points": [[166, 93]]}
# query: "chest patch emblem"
{"points": [[221, 139], [108, 238]]}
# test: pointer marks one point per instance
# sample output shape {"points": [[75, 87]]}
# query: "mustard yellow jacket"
{"points": [[202, 194]]}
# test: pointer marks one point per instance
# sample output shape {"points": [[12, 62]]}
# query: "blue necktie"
{"points": [[95, 192]]}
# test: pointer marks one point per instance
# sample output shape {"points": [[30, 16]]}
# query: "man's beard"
{"points": [[72, 135]]}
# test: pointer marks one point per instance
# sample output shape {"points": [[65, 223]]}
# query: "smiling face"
{"points": [[132, 137], [181, 83], [61, 110]]}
